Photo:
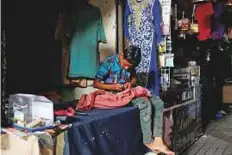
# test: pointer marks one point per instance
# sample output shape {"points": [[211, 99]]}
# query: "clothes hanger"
{"points": [[200, 1], [216, 1], [88, 5]]}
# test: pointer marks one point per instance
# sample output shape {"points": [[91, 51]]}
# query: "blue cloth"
{"points": [[146, 35], [111, 71], [107, 132], [156, 12], [218, 28]]}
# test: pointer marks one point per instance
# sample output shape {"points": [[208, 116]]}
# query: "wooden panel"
{"points": [[120, 27], [108, 11]]}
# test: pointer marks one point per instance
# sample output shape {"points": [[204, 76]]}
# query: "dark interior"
{"points": [[33, 54]]}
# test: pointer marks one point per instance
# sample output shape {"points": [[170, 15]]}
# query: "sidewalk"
{"points": [[217, 139]]}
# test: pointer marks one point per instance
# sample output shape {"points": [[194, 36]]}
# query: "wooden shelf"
{"points": [[180, 105]]}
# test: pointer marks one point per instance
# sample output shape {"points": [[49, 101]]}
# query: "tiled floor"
{"points": [[217, 139]]}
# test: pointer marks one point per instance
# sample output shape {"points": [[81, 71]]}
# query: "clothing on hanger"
{"points": [[218, 28], [88, 31], [142, 28], [203, 17]]}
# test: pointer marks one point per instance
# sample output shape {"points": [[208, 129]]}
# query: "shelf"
{"points": [[180, 105]]}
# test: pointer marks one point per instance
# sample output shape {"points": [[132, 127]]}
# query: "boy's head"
{"points": [[131, 57]]}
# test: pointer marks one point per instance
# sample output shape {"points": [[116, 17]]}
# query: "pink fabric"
{"points": [[106, 100]]}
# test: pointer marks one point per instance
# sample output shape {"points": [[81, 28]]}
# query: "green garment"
{"points": [[84, 44], [151, 117]]}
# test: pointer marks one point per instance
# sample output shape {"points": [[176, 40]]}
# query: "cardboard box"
{"points": [[18, 146], [227, 93], [13, 145]]}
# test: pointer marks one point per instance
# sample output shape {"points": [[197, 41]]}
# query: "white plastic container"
{"points": [[29, 107]]}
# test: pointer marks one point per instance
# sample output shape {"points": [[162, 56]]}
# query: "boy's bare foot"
{"points": [[159, 146], [150, 146]]}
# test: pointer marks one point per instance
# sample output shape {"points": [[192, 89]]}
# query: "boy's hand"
{"points": [[127, 85], [118, 87]]}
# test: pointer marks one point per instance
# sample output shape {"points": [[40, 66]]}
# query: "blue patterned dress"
{"points": [[142, 28]]}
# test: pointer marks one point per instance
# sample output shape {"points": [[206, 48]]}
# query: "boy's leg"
{"points": [[158, 144], [158, 106], [145, 110]]}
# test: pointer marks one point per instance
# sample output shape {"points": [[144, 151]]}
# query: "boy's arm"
{"points": [[99, 85], [133, 78], [133, 81]]}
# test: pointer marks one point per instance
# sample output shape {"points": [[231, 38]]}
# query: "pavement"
{"points": [[217, 139]]}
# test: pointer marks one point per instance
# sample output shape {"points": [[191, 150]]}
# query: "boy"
{"points": [[117, 73]]}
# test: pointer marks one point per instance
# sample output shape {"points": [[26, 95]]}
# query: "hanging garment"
{"points": [[227, 20], [107, 100], [217, 27], [203, 17], [88, 31], [142, 28]]}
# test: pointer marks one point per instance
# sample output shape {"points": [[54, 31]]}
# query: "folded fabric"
{"points": [[69, 112], [107, 100]]}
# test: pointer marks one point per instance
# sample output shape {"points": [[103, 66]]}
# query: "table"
{"points": [[117, 131], [106, 132]]}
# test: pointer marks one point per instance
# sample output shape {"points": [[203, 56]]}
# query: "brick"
{"points": [[218, 140]]}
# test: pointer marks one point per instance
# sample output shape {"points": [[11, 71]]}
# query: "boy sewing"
{"points": [[117, 73]]}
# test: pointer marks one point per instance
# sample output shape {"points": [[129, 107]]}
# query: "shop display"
{"points": [[164, 79], [187, 86], [166, 12], [165, 55], [166, 60], [162, 46], [184, 23], [194, 27]]}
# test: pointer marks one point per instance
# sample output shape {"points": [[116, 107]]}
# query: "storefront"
{"points": [[55, 49]]}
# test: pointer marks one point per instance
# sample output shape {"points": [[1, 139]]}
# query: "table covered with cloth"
{"points": [[106, 132]]}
